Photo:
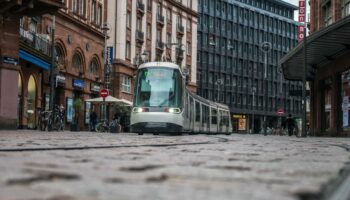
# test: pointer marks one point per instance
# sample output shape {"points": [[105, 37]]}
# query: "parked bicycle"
{"points": [[52, 120], [102, 126], [105, 126]]}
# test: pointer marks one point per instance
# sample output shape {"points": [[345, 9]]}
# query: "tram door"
{"points": [[191, 116], [197, 112]]}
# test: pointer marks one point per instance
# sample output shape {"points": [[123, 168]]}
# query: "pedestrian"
{"points": [[93, 121], [290, 125]]}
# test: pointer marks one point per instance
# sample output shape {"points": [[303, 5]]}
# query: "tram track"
{"points": [[90, 147], [335, 189]]}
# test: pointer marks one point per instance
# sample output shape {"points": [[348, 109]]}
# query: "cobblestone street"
{"points": [[70, 165]]}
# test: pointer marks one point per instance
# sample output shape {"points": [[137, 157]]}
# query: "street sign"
{"points": [[104, 93], [280, 111]]}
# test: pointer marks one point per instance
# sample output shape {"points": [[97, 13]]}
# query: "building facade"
{"points": [[19, 79], [327, 68], [231, 61], [150, 30], [78, 62]]}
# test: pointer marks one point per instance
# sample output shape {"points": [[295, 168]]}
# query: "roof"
{"points": [[159, 64], [322, 47]]}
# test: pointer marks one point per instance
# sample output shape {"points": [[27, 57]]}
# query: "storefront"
{"points": [[328, 74], [239, 123], [30, 93]]}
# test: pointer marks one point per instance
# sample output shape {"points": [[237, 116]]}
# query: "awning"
{"points": [[33, 59], [110, 99], [322, 47]]}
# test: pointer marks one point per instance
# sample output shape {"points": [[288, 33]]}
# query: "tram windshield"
{"points": [[158, 87]]}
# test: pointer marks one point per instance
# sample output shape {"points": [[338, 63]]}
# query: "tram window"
{"points": [[198, 112], [214, 116]]}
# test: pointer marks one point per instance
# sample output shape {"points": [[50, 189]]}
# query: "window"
{"points": [[75, 6], [93, 11], [189, 25], [346, 8], [327, 13], [82, 7], [96, 13], [93, 67], [148, 31], [128, 19], [77, 61], [78, 7], [126, 85], [99, 15], [168, 15], [127, 50], [188, 47], [149, 5], [168, 38]]}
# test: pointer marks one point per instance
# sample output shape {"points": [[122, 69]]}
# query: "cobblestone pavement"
{"points": [[70, 166]]}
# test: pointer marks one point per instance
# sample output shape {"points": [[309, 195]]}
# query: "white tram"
{"points": [[162, 104]]}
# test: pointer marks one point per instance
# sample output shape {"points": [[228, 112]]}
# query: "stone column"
{"points": [[9, 48]]}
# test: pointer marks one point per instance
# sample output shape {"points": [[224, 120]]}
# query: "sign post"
{"points": [[104, 94], [280, 112]]}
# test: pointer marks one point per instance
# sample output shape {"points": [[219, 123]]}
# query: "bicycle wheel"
{"points": [[99, 127]]}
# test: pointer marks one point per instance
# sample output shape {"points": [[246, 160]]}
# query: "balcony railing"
{"points": [[35, 41], [180, 29], [139, 36], [160, 45], [140, 7], [160, 19]]}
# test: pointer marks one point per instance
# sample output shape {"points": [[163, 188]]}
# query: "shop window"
{"points": [[20, 99], [31, 102]]}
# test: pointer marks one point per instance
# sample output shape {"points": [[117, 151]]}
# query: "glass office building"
{"points": [[231, 64]]}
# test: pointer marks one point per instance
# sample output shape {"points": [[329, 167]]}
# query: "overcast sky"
{"points": [[295, 2]]}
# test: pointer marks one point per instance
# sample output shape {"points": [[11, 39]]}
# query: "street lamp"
{"points": [[219, 82], [253, 91], [266, 48], [105, 30]]}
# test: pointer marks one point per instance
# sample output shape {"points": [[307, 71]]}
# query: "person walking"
{"points": [[93, 121], [290, 125]]}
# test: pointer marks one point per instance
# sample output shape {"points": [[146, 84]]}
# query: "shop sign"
{"points": [[301, 19], [109, 55], [237, 116], [95, 87], [10, 60], [60, 80], [78, 83]]}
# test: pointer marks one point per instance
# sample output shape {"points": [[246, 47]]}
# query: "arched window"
{"points": [[59, 55], [93, 67], [77, 61]]}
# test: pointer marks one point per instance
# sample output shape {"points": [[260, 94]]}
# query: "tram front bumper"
{"points": [[155, 127]]}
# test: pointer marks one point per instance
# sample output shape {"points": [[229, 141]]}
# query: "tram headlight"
{"points": [[139, 110], [174, 110]]}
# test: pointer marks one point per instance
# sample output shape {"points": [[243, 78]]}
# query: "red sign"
{"points": [[301, 19], [280, 112], [104, 93]]}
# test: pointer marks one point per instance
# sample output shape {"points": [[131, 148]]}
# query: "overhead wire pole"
{"points": [[266, 48], [52, 69], [105, 29], [303, 132]]}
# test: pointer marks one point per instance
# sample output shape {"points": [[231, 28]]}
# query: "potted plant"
{"points": [[77, 105]]}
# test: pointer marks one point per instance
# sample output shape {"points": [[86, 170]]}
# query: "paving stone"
{"points": [[153, 167]]}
